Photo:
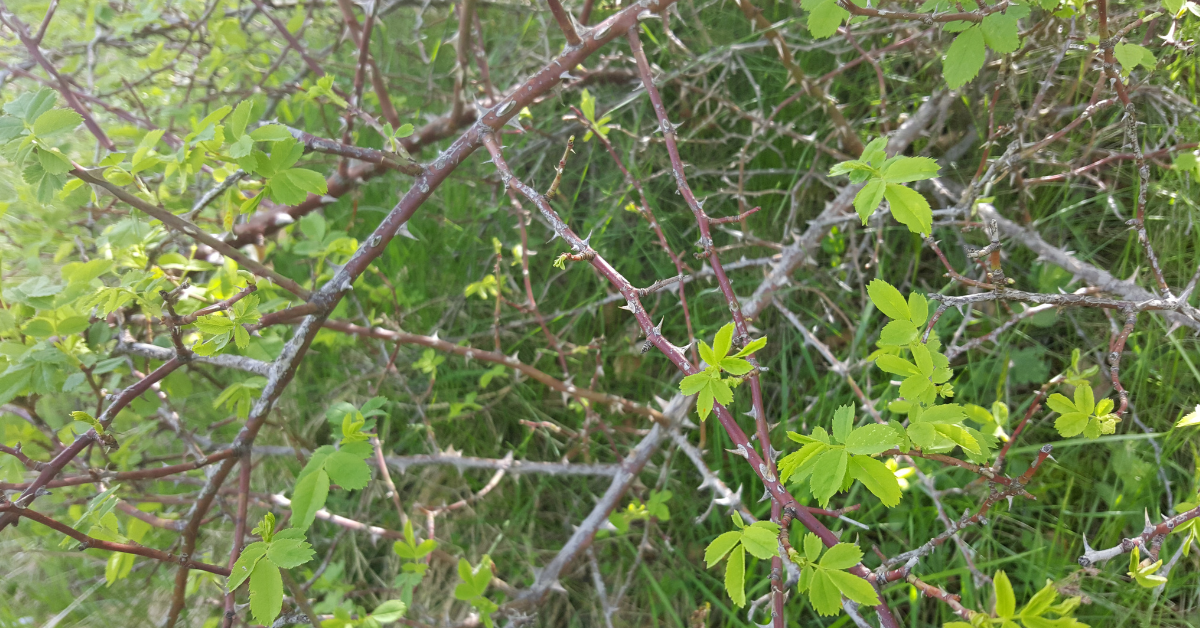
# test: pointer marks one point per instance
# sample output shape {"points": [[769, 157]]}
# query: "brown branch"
{"points": [[564, 22], [87, 542]]}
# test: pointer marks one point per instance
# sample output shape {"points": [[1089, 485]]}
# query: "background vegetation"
{"points": [[754, 132]]}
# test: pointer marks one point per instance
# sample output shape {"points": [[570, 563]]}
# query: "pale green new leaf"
{"points": [[854, 587], [735, 576], [843, 422], [694, 383], [1189, 419], [871, 439], [878, 479], [56, 121], [722, 342], [1085, 402], [909, 208], [896, 365], [842, 556], [244, 565], [898, 333], [761, 539], [309, 497], [1071, 424], [1129, 56], [288, 553], [721, 546], [1006, 601], [1060, 404], [266, 592], [812, 547], [751, 347], [235, 126], [347, 470], [906, 169], [828, 475], [824, 17], [868, 199], [888, 300], [389, 611], [824, 594]]}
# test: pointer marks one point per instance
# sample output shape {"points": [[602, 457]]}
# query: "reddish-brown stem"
{"points": [[1038, 397], [239, 530], [649, 216], [11, 510], [466, 9], [738, 218]]}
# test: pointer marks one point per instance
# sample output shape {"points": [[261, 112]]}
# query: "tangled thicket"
{"points": [[447, 314]]}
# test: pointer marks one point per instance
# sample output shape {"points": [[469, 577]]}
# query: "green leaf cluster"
{"points": [[389, 612], [1083, 415], [321, 242], [587, 104], [260, 563], [1132, 55], [655, 507], [119, 564], [831, 462], [1191, 527], [1032, 615], [27, 127], [760, 538], [1143, 571], [826, 580], [414, 554], [221, 327], [884, 178], [475, 581], [932, 428], [240, 396], [708, 384], [344, 465]]}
